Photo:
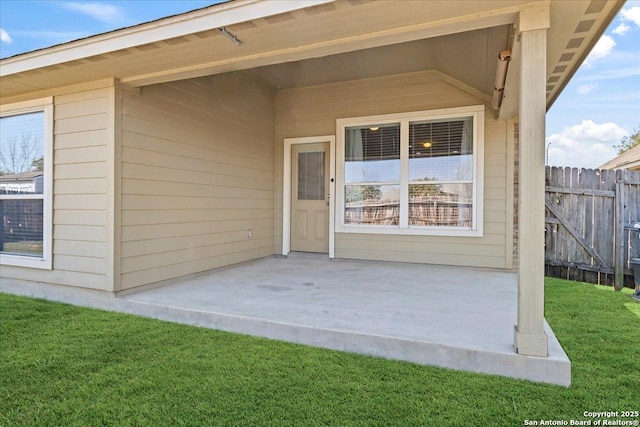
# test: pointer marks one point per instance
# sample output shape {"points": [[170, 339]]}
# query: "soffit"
{"points": [[468, 57], [576, 26]]}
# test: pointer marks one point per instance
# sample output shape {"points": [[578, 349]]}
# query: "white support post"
{"points": [[529, 336]]}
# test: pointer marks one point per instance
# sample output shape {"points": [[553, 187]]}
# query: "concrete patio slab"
{"points": [[460, 318]]}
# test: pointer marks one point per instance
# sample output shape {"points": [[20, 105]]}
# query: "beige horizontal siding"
{"points": [[228, 256], [77, 248], [80, 194], [313, 111], [136, 248], [81, 186], [197, 173], [173, 217], [83, 139], [168, 188], [84, 233], [80, 171], [147, 143], [196, 164], [81, 124], [214, 248], [162, 175], [79, 217]]}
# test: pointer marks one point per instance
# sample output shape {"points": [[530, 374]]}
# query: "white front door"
{"points": [[310, 197]]}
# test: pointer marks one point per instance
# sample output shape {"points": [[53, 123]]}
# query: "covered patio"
{"points": [[460, 318], [172, 150]]}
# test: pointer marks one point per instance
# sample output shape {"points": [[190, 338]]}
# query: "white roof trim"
{"points": [[188, 23]]}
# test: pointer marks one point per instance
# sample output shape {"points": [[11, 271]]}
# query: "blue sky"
{"points": [[597, 109], [601, 104]]}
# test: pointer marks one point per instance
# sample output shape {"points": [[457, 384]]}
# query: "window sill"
{"points": [[25, 261], [412, 231]]}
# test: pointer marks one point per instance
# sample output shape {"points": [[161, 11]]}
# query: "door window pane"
{"points": [[311, 177]]}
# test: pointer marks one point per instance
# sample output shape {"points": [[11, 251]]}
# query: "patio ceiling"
{"points": [[468, 57], [309, 42]]}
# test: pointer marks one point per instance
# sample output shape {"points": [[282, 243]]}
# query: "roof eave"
{"points": [[600, 31], [215, 16]]}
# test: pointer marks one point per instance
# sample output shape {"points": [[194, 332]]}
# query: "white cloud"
{"points": [[106, 13], [586, 145], [621, 29], [632, 14], [584, 89], [602, 49], [4, 36]]}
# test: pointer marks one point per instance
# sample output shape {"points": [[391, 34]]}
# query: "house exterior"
{"points": [[629, 160], [23, 182], [405, 131]]}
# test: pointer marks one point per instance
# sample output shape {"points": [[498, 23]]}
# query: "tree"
{"points": [[20, 154], [360, 193], [38, 164], [628, 142], [424, 190]]}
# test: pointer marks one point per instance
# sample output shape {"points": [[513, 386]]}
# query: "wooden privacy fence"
{"points": [[589, 216]]}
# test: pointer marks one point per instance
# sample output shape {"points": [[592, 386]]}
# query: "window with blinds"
{"points": [[416, 171]]}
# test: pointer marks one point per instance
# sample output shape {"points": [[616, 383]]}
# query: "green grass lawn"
{"points": [[62, 365]]}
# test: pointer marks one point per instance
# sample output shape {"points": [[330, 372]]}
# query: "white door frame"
{"points": [[286, 188]]}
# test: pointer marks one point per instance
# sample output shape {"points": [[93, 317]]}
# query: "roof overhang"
{"points": [[276, 32], [575, 28]]}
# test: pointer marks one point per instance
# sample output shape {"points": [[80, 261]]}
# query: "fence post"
{"points": [[620, 252]]}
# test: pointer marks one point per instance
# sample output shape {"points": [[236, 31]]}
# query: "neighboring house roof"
{"points": [[630, 160], [307, 42], [22, 176]]}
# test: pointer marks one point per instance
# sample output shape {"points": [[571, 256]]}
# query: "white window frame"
{"points": [[45, 262], [475, 111]]}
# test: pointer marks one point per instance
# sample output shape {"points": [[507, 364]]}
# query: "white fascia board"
{"points": [[218, 16]]}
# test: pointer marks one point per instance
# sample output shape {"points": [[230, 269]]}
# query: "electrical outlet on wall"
{"points": [[249, 233]]}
